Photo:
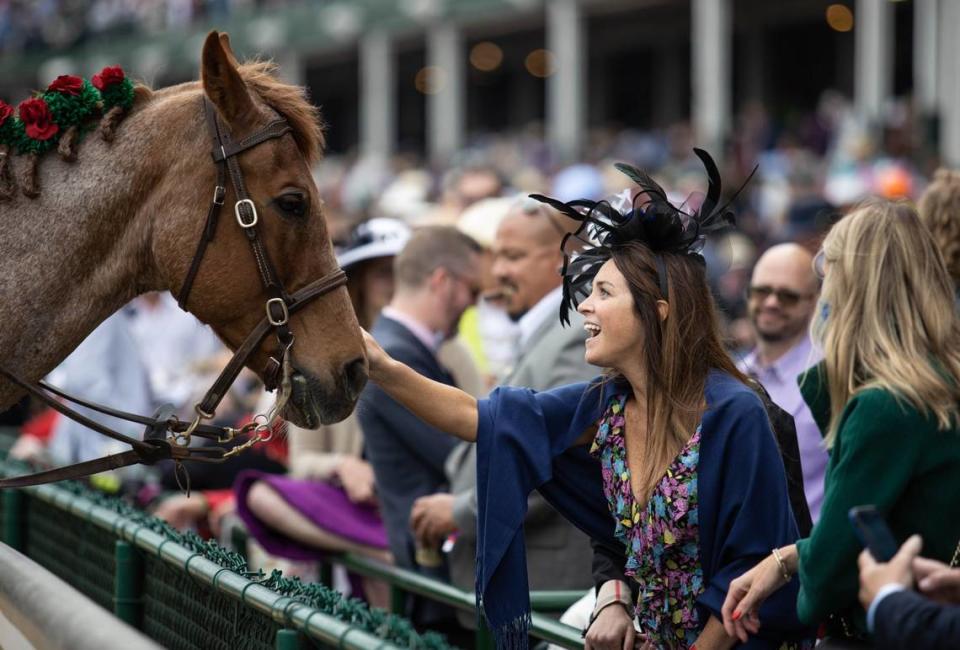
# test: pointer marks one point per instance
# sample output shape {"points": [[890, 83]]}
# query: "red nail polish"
{"points": [[736, 615]]}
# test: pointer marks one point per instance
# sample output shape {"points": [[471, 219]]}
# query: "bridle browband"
{"points": [[157, 444]]}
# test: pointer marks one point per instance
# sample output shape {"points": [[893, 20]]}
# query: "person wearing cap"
{"points": [[328, 501]]}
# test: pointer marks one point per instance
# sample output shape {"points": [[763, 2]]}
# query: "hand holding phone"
{"points": [[873, 532]]}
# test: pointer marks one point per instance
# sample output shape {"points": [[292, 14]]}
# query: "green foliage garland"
{"points": [[73, 110]]}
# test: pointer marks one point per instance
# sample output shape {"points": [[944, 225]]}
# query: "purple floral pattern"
{"points": [[662, 537]]}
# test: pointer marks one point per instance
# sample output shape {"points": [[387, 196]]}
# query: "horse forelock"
{"points": [[290, 102]]}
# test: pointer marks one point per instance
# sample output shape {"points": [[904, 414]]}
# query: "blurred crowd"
{"points": [[456, 268], [34, 25]]}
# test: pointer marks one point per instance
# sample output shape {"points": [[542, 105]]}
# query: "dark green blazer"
{"points": [[889, 454]]}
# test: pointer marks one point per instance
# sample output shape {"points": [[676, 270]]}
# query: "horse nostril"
{"points": [[355, 375]]}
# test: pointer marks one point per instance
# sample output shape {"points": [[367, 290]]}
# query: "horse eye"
{"points": [[292, 204]]}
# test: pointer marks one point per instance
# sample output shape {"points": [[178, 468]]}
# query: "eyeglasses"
{"points": [[786, 297]]}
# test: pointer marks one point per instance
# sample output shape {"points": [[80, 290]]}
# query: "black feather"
{"points": [[651, 220]]}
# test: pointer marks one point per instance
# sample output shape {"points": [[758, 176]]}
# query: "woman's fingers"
{"points": [[629, 638], [728, 612]]}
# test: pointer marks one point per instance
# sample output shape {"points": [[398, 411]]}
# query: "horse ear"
{"points": [[222, 82], [225, 44]]}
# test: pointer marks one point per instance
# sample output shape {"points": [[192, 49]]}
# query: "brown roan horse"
{"points": [[125, 219]]}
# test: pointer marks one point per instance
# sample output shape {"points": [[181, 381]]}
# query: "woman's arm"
{"points": [[445, 407], [714, 637]]}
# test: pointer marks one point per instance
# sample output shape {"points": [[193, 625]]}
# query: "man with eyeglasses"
{"points": [[781, 300]]}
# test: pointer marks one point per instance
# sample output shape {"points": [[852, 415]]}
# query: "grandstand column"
{"points": [[925, 54], [566, 87], [948, 90], [377, 88], [711, 76], [873, 58], [445, 97]]}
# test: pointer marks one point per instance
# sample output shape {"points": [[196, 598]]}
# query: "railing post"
{"points": [[13, 519], [326, 574], [287, 640], [128, 584], [398, 600]]}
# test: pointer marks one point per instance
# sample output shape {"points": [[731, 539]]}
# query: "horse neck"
{"points": [[82, 249]]}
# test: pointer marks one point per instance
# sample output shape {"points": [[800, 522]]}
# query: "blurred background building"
{"points": [[429, 77], [432, 105]]}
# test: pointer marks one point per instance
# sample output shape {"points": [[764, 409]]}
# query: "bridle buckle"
{"points": [[253, 210], [219, 193], [284, 312]]}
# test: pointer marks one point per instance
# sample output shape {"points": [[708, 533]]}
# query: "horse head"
{"points": [[328, 365]]}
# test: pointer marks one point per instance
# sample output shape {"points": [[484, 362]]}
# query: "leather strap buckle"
{"points": [[284, 316], [253, 211], [219, 193]]}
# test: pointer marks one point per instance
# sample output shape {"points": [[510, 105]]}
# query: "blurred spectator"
{"points": [[437, 278], [782, 296], [485, 327], [526, 260], [899, 617], [105, 368], [328, 501], [174, 346], [940, 211]]}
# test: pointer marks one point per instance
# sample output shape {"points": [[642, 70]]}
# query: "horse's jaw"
{"points": [[312, 404]]}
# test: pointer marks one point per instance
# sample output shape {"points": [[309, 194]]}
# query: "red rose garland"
{"points": [[67, 84], [62, 113], [37, 119]]}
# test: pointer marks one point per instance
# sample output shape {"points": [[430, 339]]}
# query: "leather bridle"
{"points": [[166, 436]]}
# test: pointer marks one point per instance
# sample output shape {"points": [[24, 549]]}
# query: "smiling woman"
{"points": [[669, 421]]}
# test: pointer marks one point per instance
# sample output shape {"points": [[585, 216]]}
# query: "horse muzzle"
{"points": [[314, 402]]}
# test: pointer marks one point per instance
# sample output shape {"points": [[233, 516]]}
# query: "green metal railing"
{"points": [[185, 592], [404, 582], [180, 590]]}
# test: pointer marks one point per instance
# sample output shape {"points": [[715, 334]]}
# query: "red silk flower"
{"points": [[6, 110], [67, 84], [37, 120], [112, 74]]}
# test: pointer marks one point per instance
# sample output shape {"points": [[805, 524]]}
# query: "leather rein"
{"points": [[166, 436]]}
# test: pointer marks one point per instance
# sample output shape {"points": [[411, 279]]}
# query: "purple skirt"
{"points": [[327, 506]]}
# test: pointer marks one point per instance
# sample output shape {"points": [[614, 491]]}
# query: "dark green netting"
{"points": [[178, 611], [77, 551]]}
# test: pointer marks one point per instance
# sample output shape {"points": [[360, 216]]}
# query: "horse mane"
{"points": [[291, 102]]}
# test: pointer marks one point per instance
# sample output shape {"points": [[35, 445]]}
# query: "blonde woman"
{"points": [[940, 212], [886, 398]]}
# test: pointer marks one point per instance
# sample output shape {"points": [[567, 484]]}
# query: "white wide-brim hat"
{"points": [[375, 238]]}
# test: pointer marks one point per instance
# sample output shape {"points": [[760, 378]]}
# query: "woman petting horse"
{"points": [[84, 237], [681, 452]]}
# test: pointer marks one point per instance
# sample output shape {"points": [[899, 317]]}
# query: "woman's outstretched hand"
{"points": [[377, 359], [742, 606]]}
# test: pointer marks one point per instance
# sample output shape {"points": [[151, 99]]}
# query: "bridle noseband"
{"points": [[279, 306]]}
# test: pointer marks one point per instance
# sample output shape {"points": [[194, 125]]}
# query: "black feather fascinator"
{"points": [[642, 214]]}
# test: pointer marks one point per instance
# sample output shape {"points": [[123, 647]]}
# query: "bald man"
{"points": [[780, 303]]}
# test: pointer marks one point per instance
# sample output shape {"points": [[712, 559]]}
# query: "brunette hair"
{"points": [[679, 351]]}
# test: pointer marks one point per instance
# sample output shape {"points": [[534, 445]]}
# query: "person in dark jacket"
{"points": [[899, 617]]}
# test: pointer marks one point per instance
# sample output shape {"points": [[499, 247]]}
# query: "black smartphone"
{"points": [[873, 532]]}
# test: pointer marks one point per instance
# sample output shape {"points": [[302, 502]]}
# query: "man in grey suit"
{"points": [[527, 261]]}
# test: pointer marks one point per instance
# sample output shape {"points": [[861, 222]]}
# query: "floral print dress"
{"points": [[661, 536]]}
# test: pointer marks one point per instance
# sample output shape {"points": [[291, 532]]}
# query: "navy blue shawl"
{"points": [[524, 443]]}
